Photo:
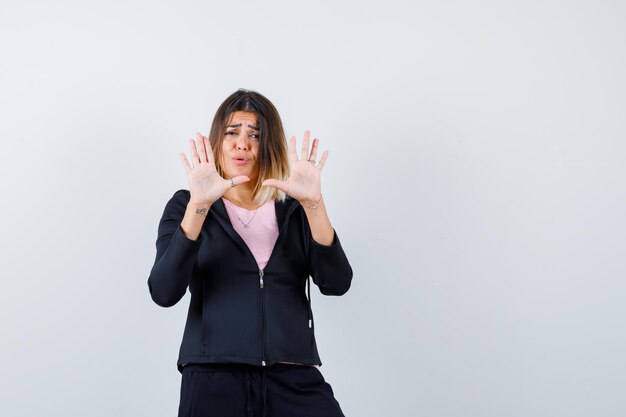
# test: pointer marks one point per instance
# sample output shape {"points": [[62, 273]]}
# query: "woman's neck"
{"points": [[241, 196]]}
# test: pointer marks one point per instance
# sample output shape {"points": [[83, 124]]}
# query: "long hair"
{"points": [[273, 158]]}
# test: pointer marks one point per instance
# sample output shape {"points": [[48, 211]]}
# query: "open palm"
{"points": [[206, 185], [304, 182]]}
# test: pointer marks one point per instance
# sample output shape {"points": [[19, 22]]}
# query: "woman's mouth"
{"points": [[240, 161]]}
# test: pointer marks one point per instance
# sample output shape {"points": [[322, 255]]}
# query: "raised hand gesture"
{"points": [[304, 182], [205, 184]]}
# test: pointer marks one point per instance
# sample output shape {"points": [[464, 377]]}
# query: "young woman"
{"points": [[246, 239]]}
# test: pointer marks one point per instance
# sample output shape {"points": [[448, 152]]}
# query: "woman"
{"points": [[246, 239]]}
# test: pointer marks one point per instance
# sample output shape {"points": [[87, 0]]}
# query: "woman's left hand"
{"points": [[304, 182]]}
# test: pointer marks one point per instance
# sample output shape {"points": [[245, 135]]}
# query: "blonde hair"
{"points": [[273, 157]]}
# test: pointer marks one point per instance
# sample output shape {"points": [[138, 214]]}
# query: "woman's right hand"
{"points": [[205, 184]]}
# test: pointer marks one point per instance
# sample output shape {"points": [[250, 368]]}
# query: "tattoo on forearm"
{"points": [[201, 211]]}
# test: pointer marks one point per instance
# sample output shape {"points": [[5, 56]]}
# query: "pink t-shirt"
{"points": [[260, 234], [262, 228]]}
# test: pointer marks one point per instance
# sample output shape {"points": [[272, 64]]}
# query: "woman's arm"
{"points": [[194, 219], [179, 231], [321, 229], [328, 265], [177, 247]]}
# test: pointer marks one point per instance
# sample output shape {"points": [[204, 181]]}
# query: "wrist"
{"points": [[311, 204], [199, 208]]}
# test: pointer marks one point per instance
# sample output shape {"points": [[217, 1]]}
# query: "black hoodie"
{"points": [[238, 313]]}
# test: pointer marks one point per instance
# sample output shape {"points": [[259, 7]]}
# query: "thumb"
{"points": [[239, 180], [281, 185]]}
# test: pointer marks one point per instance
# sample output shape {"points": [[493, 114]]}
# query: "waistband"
{"points": [[229, 367]]}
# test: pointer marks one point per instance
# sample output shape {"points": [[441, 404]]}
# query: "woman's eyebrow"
{"points": [[239, 125]]}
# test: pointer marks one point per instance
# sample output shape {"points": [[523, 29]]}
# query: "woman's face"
{"points": [[240, 146]]}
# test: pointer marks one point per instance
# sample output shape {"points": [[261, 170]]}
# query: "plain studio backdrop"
{"points": [[475, 178]]}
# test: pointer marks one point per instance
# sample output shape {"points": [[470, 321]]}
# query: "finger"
{"points": [[293, 157], [281, 185], [209, 150], [313, 156], [323, 160], [305, 146], [185, 163], [195, 160], [201, 148]]}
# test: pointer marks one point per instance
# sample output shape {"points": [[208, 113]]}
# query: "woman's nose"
{"points": [[242, 143]]}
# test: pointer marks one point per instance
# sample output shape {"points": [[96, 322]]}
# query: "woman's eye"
{"points": [[231, 133]]}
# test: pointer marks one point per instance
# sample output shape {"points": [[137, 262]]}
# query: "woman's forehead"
{"points": [[242, 116]]}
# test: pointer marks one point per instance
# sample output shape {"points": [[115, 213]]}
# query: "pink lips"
{"points": [[240, 161]]}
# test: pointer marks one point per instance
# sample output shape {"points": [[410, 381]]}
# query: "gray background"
{"points": [[475, 178]]}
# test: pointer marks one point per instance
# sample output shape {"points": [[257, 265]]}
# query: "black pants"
{"points": [[239, 390]]}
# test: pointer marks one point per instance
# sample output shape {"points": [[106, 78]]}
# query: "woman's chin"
{"points": [[232, 173]]}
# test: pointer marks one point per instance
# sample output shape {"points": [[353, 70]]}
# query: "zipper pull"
{"points": [[261, 277], [309, 323]]}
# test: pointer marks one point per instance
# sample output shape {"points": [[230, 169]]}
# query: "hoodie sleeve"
{"points": [[175, 254], [329, 266]]}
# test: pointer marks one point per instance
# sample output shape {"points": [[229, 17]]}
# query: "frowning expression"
{"points": [[240, 145]]}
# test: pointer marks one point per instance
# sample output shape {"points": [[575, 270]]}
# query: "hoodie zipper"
{"points": [[262, 303]]}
